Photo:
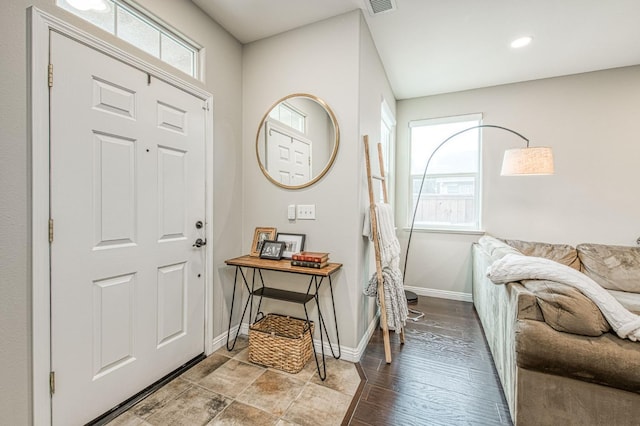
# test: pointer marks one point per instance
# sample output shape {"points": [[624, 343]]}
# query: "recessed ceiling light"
{"points": [[521, 42]]}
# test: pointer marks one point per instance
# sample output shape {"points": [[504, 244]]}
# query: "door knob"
{"points": [[200, 242]]}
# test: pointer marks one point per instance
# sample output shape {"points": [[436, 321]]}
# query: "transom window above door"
{"points": [[140, 29], [290, 116]]}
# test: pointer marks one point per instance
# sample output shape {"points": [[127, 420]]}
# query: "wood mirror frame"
{"points": [[321, 137]]}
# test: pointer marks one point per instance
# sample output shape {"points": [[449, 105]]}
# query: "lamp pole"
{"points": [[415, 210]]}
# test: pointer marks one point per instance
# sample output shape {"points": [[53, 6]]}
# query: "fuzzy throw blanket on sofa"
{"points": [[513, 267]]}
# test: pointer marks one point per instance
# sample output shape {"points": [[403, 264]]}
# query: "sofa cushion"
{"points": [[561, 253], [613, 267], [606, 359], [566, 309]]}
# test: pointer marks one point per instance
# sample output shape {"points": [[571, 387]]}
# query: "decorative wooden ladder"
{"points": [[376, 242]]}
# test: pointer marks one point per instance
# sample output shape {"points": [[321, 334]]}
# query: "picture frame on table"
{"points": [[272, 249], [293, 243], [260, 235]]}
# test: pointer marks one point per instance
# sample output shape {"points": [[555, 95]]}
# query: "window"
{"points": [[387, 132], [137, 28], [289, 116], [450, 197]]}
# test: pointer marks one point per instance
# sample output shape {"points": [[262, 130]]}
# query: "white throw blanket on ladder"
{"points": [[394, 296], [513, 267]]}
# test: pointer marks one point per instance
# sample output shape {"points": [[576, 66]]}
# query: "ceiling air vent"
{"points": [[377, 7]]}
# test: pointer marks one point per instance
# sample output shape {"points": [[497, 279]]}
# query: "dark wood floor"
{"points": [[442, 375]]}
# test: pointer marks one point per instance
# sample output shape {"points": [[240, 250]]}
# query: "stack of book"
{"points": [[310, 259]]}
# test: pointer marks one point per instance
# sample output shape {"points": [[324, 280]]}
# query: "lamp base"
{"points": [[412, 298]]}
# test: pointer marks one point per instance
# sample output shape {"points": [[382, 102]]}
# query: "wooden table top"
{"points": [[283, 265]]}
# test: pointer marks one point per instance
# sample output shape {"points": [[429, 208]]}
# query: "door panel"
{"points": [[127, 187], [113, 329], [287, 157], [172, 315], [113, 99], [114, 177], [172, 187], [301, 165]]}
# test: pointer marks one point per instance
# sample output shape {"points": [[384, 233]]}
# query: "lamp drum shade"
{"points": [[527, 161]]}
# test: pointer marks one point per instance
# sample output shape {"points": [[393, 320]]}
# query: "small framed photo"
{"points": [[272, 249], [259, 237], [293, 243]]}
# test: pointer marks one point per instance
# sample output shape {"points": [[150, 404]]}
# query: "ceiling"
{"points": [[439, 46]]}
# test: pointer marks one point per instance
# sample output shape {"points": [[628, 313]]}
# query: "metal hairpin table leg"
{"points": [[335, 321], [322, 327], [260, 301], [322, 374], [321, 318], [244, 311]]}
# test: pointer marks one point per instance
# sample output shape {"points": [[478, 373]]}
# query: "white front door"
{"points": [[127, 188]]}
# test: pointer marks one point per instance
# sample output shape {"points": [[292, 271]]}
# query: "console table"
{"points": [[316, 278]]}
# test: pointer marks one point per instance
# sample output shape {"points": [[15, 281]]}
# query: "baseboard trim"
{"points": [[221, 340], [373, 325], [441, 294]]}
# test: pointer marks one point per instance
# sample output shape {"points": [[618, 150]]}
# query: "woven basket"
{"points": [[280, 342]]}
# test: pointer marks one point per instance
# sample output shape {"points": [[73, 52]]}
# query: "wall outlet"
{"points": [[306, 211]]}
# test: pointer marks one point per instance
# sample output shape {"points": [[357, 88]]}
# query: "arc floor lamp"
{"points": [[525, 161]]}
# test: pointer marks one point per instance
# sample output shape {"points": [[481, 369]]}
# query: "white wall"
{"points": [[223, 71], [374, 87], [322, 59], [590, 121]]}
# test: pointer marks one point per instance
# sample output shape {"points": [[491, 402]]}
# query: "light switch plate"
{"points": [[306, 212], [291, 212]]}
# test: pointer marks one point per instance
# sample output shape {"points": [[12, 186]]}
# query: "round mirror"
{"points": [[297, 141]]}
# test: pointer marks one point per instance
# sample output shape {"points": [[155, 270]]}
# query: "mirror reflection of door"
{"points": [[297, 141], [288, 156]]}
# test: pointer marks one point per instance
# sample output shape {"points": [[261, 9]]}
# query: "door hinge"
{"points": [[50, 75], [52, 382], [50, 230]]}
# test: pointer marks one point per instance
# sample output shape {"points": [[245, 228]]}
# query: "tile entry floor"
{"points": [[226, 389]]}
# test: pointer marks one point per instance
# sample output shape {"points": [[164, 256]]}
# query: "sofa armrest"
{"points": [[499, 307], [484, 290]]}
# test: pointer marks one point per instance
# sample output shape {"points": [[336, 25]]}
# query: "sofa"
{"points": [[557, 357]]}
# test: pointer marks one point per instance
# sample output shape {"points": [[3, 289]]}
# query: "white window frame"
{"points": [[388, 141], [476, 225], [157, 24], [294, 112]]}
